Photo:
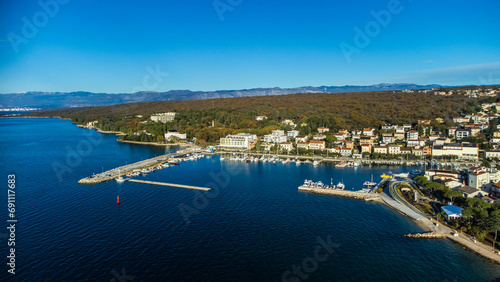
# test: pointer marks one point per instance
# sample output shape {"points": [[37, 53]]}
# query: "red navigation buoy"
{"points": [[117, 199]]}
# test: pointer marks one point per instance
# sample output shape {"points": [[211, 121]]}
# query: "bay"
{"points": [[253, 226]]}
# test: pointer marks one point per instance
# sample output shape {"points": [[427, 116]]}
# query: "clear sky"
{"points": [[125, 46]]}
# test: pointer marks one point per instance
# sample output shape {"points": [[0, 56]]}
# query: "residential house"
{"points": [[292, 134], [340, 136], [489, 154], [366, 140], [417, 152], [414, 143], [380, 149], [345, 151], [451, 131], [461, 133], [443, 174], [303, 145], [319, 137], [393, 149], [478, 178], [349, 144], [276, 137], [412, 135], [286, 146], [388, 138], [316, 145], [399, 136], [323, 129], [404, 151], [469, 192], [368, 132], [301, 138], [366, 148]]}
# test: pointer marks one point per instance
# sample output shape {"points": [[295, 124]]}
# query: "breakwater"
{"points": [[342, 193], [428, 235], [126, 169], [170, 184]]}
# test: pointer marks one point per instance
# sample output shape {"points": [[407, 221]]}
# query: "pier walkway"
{"points": [[170, 184], [343, 193]]}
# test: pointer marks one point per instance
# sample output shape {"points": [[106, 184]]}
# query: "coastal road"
{"points": [[398, 205]]}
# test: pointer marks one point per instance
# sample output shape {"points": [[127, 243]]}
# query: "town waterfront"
{"points": [[253, 226]]}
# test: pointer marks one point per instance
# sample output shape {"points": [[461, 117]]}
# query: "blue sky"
{"points": [[125, 46]]}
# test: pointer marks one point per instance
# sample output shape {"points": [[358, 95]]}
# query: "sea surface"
{"points": [[253, 225]]}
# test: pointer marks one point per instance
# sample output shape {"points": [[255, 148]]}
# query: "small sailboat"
{"points": [[369, 184], [120, 178]]}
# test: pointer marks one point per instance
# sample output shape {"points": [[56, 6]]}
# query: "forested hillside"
{"points": [[232, 115]]}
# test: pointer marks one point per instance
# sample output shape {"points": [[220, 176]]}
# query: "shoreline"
{"points": [[155, 143], [427, 224]]}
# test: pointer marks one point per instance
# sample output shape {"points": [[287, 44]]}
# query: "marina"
{"points": [[143, 167]]}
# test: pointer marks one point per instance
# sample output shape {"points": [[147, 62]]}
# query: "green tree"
{"points": [[493, 224], [451, 194]]}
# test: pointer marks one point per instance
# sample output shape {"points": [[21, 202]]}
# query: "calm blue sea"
{"points": [[253, 226]]}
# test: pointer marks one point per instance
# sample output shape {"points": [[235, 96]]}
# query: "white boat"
{"points": [[298, 162], [173, 162], [315, 163], [165, 165], [120, 178], [222, 158], [145, 171]]}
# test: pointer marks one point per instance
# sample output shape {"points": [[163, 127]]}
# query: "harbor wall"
{"points": [[342, 193]]}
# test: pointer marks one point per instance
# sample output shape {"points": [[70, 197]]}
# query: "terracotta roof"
{"points": [[444, 171]]}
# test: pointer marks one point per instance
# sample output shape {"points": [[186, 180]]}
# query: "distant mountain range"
{"points": [[51, 100]]}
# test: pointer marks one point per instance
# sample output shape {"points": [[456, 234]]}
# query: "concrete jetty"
{"points": [[123, 170], [170, 184], [342, 193]]}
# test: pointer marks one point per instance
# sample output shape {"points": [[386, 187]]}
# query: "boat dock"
{"points": [[351, 194], [170, 184], [126, 169]]}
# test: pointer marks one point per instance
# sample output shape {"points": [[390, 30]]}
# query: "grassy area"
{"points": [[425, 208], [381, 188]]}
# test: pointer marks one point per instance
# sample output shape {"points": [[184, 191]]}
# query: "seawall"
{"points": [[342, 193]]}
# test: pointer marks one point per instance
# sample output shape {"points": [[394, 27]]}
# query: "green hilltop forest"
{"points": [[233, 115]]}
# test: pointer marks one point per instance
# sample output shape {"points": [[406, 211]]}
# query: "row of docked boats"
{"points": [[171, 162], [270, 159], [321, 185]]}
